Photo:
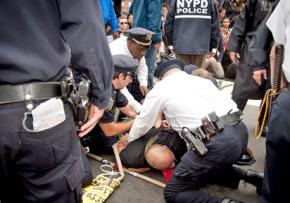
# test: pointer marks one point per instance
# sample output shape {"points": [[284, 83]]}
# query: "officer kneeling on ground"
{"points": [[104, 135], [194, 106]]}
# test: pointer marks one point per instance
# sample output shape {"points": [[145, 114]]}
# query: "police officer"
{"points": [[244, 28], [40, 153], [104, 135], [135, 45], [277, 143], [195, 20], [185, 100]]}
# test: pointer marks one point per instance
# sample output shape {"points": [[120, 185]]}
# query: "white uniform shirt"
{"points": [[184, 99], [279, 24]]}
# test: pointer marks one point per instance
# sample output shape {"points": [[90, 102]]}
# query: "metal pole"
{"points": [[138, 175], [119, 163]]}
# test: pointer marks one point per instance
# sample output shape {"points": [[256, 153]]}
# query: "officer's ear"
{"points": [[130, 43], [122, 76]]}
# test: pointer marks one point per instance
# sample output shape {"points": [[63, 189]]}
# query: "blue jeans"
{"points": [[150, 57]]}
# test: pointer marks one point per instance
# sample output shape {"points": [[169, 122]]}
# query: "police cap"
{"points": [[141, 36], [124, 63], [164, 66]]}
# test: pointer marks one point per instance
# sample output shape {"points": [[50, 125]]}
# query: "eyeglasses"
{"points": [[122, 23]]}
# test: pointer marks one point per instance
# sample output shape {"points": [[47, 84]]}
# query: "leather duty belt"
{"points": [[33, 91], [213, 124]]}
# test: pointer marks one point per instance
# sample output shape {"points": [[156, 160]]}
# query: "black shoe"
{"points": [[247, 158], [255, 178], [228, 200]]}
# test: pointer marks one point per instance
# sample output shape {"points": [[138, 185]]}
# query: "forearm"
{"points": [[142, 72], [129, 111], [113, 129], [135, 104]]}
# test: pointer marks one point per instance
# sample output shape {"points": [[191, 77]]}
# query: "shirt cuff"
{"points": [[102, 100]]}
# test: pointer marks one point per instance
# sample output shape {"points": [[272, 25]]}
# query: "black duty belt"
{"points": [[213, 124], [32, 91]]}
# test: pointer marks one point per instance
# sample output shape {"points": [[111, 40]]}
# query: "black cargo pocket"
{"points": [[45, 149]]}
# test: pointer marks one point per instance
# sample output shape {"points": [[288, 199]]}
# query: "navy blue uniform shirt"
{"points": [[118, 100], [39, 39]]}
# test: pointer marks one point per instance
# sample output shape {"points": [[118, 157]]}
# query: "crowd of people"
{"points": [[85, 74]]}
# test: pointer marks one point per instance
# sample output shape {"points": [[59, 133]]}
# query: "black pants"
{"points": [[41, 166], [277, 167], [194, 171]]}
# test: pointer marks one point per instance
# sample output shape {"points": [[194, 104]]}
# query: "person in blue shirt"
{"points": [[109, 17]]}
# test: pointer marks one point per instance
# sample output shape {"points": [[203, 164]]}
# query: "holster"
{"points": [[80, 102]]}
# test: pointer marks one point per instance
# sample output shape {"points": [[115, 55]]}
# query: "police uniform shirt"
{"points": [[184, 99], [38, 48], [133, 155], [118, 100], [279, 24]]}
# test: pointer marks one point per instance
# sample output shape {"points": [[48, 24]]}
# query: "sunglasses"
{"points": [[122, 23]]}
